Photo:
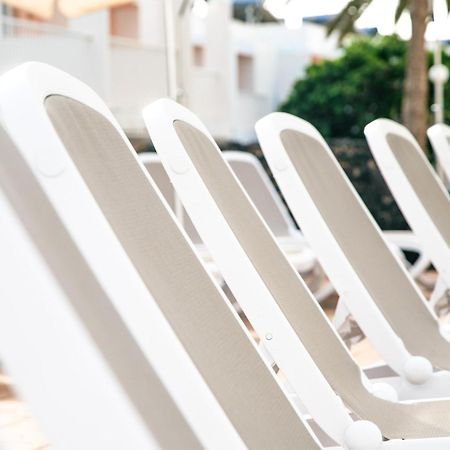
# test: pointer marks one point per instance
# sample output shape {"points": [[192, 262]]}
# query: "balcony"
{"points": [[129, 75]]}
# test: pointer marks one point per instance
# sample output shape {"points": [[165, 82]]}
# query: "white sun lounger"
{"points": [[278, 304], [419, 192], [67, 346], [371, 281], [64, 361], [101, 213]]}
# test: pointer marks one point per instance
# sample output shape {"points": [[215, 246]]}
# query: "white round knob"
{"points": [[363, 435], [438, 73], [179, 166], [445, 329], [280, 164], [385, 392], [50, 163], [418, 370]]}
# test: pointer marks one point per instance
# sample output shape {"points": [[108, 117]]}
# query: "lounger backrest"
{"points": [[424, 181], [57, 343], [361, 240], [191, 302], [260, 189], [286, 287], [156, 170], [420, 193]]}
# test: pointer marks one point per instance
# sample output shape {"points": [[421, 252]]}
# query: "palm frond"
{"points": [[344, 22], [402, 6]]}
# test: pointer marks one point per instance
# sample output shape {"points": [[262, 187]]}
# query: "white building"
{"points": [[231, 74]]}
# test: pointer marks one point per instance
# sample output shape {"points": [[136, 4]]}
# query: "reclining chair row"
{"points": [[136, 347], [261, 191], [116, 334], [419, 192]]}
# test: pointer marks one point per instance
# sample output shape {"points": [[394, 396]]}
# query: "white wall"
{"points": [[97, 26], [71, 54], [128, 74], [138, 76]]}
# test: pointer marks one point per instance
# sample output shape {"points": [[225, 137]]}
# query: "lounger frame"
{"points": [[22, 95], [39, 336], [410, 205], [416, 381], [255, 300]]}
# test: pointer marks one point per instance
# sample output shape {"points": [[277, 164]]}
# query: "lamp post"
{"points": [[438, 72], [177, 35], [177, 46], [439, 76]]}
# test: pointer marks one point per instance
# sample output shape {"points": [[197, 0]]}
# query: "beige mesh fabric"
{"points": [[191, 302], [373, 262], [428, 419], [159, 176], [420, 175], [261, 197], [91, 303]]}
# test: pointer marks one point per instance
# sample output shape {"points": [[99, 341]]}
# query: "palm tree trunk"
{"points": [[415, 91]]}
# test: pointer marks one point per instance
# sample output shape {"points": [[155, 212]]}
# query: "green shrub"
{"points": [[341, 96]]}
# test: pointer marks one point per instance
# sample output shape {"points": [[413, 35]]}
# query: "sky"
{"points": [[380, 14]]}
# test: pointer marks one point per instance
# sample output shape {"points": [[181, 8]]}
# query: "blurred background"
{"points": [[337, 63]]}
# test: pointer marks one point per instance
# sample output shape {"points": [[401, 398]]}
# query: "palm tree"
{"points": [[415, 86]]}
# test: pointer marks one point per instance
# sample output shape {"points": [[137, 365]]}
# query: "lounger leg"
{"points": [[439, 294], [289, 390], [341, 314], [347, 328]]}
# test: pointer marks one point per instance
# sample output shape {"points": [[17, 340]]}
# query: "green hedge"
{"points": [[341, 96]]}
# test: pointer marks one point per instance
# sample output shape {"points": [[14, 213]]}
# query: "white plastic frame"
{"points": [[411, 206], [249, 290], [22, 94], [257, 303], [39, 336], [350, 288]]}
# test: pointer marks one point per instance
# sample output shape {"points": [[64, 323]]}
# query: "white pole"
{"points": [[440, 13], [438, 106], [3, 12], [184, 51], [177, 56], [177, 73], [171, 50], [439, 73]]}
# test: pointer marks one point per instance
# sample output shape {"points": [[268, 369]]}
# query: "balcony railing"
{"points": [[12, 27]]}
